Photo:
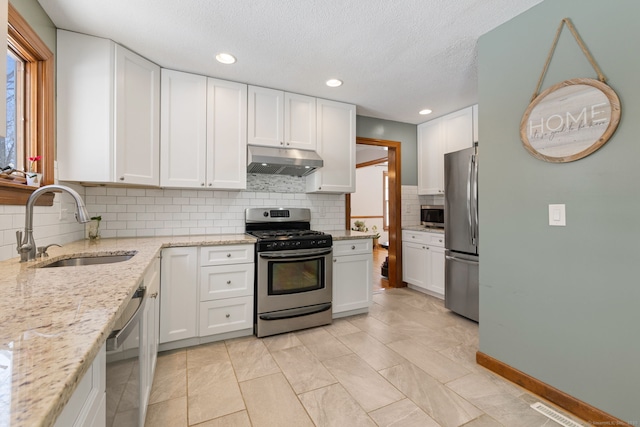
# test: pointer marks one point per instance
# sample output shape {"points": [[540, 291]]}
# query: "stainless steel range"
{"points": [[293, 270]]}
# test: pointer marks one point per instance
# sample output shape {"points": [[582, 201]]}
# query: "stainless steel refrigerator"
{"points": [[461, 232]]}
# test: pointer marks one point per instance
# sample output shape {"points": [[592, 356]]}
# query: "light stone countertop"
{"points": [[350, 234], [53, 321], [424, 228]]}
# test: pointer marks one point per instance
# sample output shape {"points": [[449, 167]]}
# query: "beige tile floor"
{"points": [[409, 362]]}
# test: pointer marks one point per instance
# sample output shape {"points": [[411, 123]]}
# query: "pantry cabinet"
{"points": [[352, 276], [203, 132], [336, 131], [281, 119], [446, 134], [108, 112], [423, 261]]}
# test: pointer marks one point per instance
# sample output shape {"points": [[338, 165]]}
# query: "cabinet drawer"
{"points": [[226, 315], [352, 247], [226, 281], [226, 254], [431, 239], [436, 239], [415, 236]]}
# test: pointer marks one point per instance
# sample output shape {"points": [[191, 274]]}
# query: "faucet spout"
{"points": [[27, 249]]}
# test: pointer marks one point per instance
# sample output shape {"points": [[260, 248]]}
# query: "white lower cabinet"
{"points": [[226, 315], [150, 337], [352, 276], [226, 289], [87, 405], [206, 292], [179, 290], [423, 261]]}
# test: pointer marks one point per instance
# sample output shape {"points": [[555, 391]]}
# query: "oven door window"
{"points": [[290, 277]]}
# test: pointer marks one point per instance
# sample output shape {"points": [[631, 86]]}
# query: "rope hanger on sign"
{"points": [[583, 47]]}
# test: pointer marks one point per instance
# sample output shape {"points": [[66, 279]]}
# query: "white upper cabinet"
{"points": [[458, 130], [299, 121], [281, 119], [226, 134], [266, 117], [108, 110], [203, 133], [437, 137], [336, 130], [183, 132], [430, 158]]}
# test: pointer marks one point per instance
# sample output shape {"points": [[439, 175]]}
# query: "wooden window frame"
{"points": [[39, 127]]}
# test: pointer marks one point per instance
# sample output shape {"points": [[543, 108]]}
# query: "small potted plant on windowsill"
{"points": [[376, 236], [33, 178]]}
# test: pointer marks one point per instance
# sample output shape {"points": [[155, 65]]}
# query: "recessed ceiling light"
{"points": [[225, 58], [425, 112], [334, 82]]}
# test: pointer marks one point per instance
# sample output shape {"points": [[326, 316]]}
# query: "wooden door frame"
{"points": [[395, 203]]}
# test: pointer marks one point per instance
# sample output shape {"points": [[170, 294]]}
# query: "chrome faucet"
{"points": [[27, 246]]}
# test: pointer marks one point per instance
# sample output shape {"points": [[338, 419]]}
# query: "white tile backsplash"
{"points": [[131, 212], [410, 205], [153, 212]]}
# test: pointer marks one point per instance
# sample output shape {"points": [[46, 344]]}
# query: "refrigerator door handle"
{"points": [[469, 216], [462, 260], [474, 202]]}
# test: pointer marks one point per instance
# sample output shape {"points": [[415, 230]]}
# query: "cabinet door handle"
{"points": [[210, 184], [228, 315], [122, 178], [228, 255], [202, 184], [413, 237], [335, 260], [353, 248], [228, 282]]}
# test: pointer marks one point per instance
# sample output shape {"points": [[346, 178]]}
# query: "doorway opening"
{"points": [[392, 203]]}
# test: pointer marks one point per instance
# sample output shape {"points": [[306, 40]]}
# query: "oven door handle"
{"points": [[296, 312], [295, 254], [116, 338]]}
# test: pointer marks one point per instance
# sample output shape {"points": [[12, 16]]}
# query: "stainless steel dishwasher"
{"points": [[125, 363]]}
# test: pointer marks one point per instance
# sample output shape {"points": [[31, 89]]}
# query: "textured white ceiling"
{"points": [[395, 57]]}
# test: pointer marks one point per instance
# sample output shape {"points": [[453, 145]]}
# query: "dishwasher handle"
{"points": [[117, 337]]}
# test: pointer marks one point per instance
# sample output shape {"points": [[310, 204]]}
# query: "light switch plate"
{"points": [[557, 215]]}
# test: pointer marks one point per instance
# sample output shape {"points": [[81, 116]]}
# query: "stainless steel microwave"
{"points": [[432, 215]]}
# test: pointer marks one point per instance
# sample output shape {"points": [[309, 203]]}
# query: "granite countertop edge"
{"points": [[54, 324]]}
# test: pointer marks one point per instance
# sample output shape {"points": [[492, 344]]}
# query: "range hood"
{"points": [[282, 161]]}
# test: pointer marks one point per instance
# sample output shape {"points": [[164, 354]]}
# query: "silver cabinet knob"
{"points": [[335, 260], [228, 255], [122, 178], [353, 248], [228, 315], [202, 184], [228, 282], [210, 184]]}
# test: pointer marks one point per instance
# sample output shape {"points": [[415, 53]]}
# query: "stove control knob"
{"points": [[265, 214], [297, 243]]}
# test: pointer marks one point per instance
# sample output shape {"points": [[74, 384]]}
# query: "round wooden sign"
{"points": [[570, 120]]}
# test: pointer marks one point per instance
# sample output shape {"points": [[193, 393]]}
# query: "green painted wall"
{"points": [[33, 13], [562, 303], [407, 134]]}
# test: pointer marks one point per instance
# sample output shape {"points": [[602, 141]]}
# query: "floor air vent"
{"points": [[555, 416]]}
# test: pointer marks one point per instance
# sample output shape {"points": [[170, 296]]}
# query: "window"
{"points": [[385, 201], [30, 113]]}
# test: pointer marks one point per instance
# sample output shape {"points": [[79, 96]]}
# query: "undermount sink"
{"points": [[89, 260]]}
